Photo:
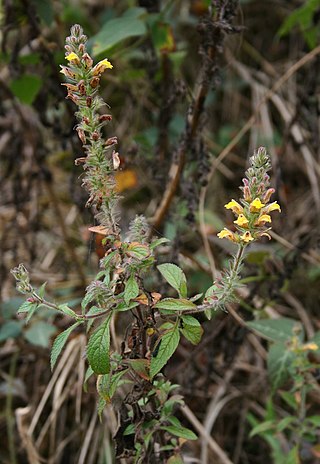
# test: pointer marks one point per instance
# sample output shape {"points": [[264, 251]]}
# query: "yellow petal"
{"points": [[72, 57], [241, 221], [101, 67], [310, 346], [256, 205], [273, 207], [234, 206], [246, 237], [263, 219], [226, 233]]}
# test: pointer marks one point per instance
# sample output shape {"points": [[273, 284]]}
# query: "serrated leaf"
{"points": [[164, 349], [140, 366], [27, 306], [64, 308], [180, 432], [40, 333], [138, 250], [131, 290], [279, 360], [158, 242], [191, 329], [108, 383], [175, 277], [175, 304], [277, 330], [42, 290], [59, 343], [262, 428], [98, 348]]}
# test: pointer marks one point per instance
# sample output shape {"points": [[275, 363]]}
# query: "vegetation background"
{"points": [[258, 70]]}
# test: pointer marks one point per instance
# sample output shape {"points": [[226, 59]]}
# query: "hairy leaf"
{"points": [[131, 289], [191, 329], [175, 277], [279, 360], [98, 348], [59, 343], [166, 346], [277, 330], [181, 432], [175, 304]]}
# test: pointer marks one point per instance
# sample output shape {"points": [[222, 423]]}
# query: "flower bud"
{"points": [[89, 101], [105, 117], [111, 141], [67, 72], [81, 87], [87, 60], [94, 82], [86, 120], [81, 135], [95, 136], [268, 194], [72, 97]]}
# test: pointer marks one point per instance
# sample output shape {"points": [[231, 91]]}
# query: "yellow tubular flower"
{"points": [[272, 207], [101, 67], [310, 346], [226, 233], [256, 205], [234, 206], [246, 237], [242, 221], [73, 57], [262, 220]]}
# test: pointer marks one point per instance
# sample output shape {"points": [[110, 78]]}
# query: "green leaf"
{"points": [[26, 88], [191, 329], [262, 428], [64, 308], [10, 329], [181, 432], [115, 31], [164, 349], [277, 330], [140, 366], [138, 250], [108, 383], [175, 304], [29, 308], [285, 422], [131, 289], [59, 343], [315, 420], [42, 290], [40, 333], [279, 361], [98, 348], [125, 307], [176, 459], [158, 242], [89, 373], [175, 277]]}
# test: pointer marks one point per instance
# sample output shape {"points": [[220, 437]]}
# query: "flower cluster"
{"points": [[102, 160], [253, 214]]}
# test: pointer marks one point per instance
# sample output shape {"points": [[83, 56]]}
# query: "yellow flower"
{"points": [[101, 67], [256, 205], [310, 346], [241, 221], [234, 206], [262, 220], [273, 207], [246, 237], [226, 233], [73, 57]]}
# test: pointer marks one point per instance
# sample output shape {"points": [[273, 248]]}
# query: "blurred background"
{"points": [[250, 79]]}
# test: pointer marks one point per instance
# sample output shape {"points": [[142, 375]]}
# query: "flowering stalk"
{"points": [[101, 159], [252, 222]]}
